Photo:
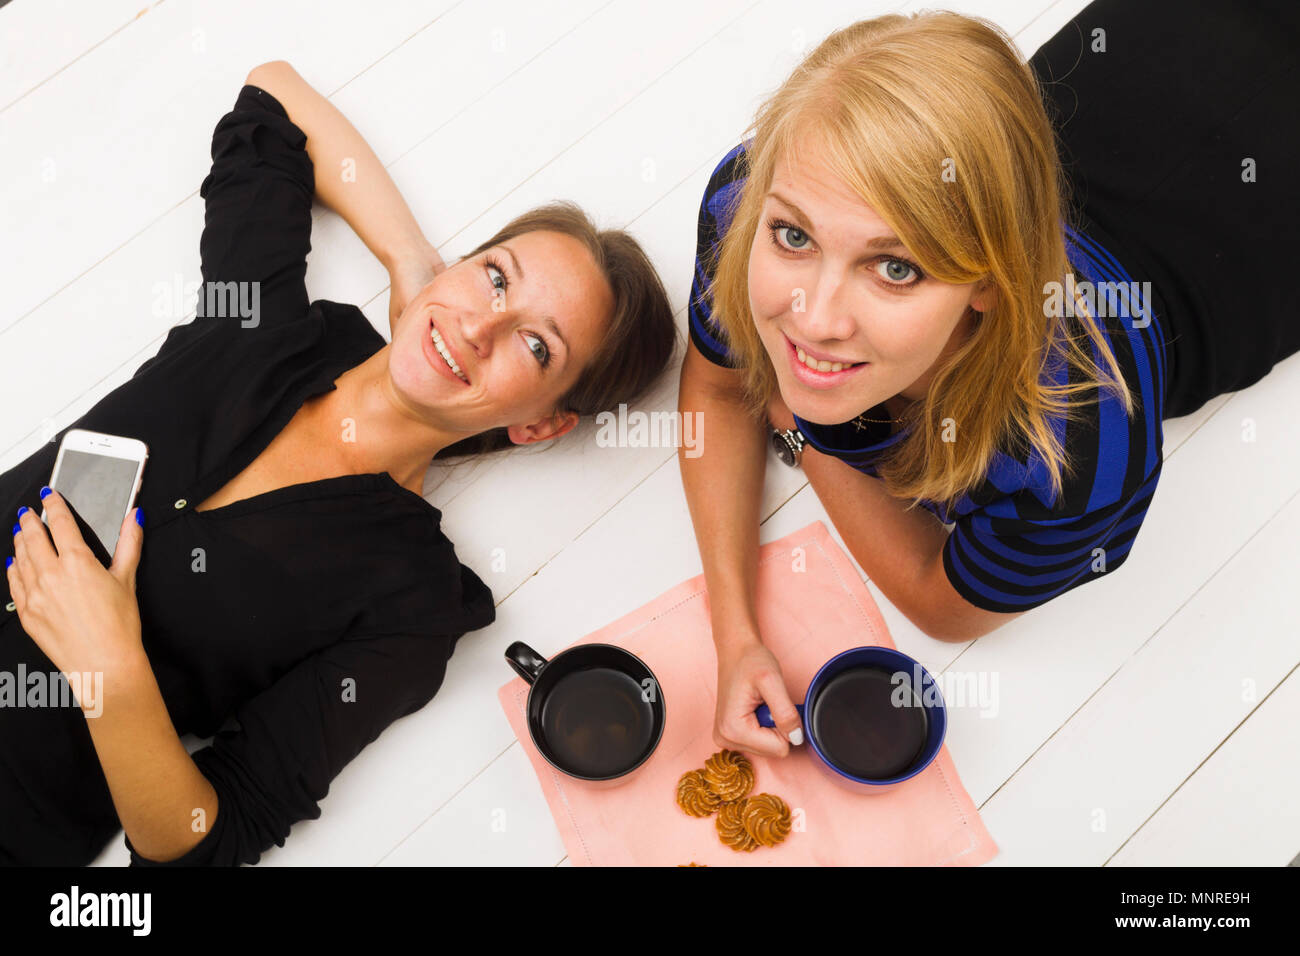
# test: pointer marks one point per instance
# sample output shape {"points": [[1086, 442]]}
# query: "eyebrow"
{"points": [[873, 245], [546, 318]]}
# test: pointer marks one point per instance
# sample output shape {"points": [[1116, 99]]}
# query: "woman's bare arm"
{"points": [[350, 179], [897, 547], [166, 804], [723, 485]]}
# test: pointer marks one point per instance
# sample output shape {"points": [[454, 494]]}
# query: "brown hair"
{"points": [[641, 336], [889, 123]]}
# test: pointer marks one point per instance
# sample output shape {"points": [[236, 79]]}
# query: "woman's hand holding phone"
{"points": [[84, 617], [748, 675]]}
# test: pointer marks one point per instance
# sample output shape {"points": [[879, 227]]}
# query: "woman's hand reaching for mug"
{"points": [[749, 675]]}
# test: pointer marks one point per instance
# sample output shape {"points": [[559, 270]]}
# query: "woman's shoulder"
{"points": [[724, 184], [733, 166], [1112, 458], [430, 584]]}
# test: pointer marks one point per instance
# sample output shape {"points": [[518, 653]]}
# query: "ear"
{"points": [[543, 429], [985, 297]]}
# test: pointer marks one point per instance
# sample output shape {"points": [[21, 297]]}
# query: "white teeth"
{"points": [[446, 355], [822, 366]]}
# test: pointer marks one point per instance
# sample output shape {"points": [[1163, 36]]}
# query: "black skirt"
{"points": [[1180, 142]]}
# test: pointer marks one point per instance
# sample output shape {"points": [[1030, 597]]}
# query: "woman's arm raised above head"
{"points": [[350, 179]]}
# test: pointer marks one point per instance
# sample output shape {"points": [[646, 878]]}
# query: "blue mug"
{"points": [[903, 669]]}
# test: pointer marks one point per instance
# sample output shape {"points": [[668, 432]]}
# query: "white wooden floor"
{"points": [[1147, 718]]}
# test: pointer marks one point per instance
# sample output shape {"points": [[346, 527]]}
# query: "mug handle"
{"points": [[765, 716], [527, 662]]}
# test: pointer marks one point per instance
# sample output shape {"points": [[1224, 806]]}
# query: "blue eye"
{"points": [[796, 240], [542, 353], [491, 265], [908, 270], [795, 237]]}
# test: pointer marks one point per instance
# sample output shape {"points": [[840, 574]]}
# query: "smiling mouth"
{"points": [[818, 365], [440, 347]]}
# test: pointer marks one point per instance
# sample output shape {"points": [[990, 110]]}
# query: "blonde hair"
{"points": [[890, 103]]}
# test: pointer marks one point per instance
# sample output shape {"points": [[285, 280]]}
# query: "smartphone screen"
{"points": [[99, 487]]}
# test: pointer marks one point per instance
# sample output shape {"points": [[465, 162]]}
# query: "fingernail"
{"points": [[139, 517], [8, 561], [45, 490], [17, 528], [796, 736], [22, 509]]}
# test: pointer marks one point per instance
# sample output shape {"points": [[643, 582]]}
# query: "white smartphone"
{"points": [[100, 474]]}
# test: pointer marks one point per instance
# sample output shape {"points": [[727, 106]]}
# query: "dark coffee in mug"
{"points": [[860, 727], [596, 721]]}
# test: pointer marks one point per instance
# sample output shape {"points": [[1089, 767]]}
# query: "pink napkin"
{"points": [[811, 605]]}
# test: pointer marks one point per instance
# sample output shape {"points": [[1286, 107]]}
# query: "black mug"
{"points": [[595, 712]]}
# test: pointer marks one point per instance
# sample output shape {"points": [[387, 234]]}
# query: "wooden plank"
{"points": [[119, 137], [43, 37], [1138, 738], [1238, 808]]}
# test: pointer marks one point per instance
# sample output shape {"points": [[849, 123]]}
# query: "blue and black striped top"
{"points": [[1010, 549]]}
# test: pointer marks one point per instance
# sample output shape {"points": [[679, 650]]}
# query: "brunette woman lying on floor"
{"points": [[287, 455]]}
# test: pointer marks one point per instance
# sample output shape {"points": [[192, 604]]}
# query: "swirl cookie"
{"points": [[729, 774], [694, 796], [731, 826], [766, 819]]}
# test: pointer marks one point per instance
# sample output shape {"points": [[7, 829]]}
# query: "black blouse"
{"points": [[315, 614]]}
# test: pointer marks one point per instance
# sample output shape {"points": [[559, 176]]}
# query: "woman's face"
{"points": [[827, 279], [520, 321]]}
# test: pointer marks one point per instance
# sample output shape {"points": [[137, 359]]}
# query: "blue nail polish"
{"points": [[22, 509], [17, 528], [8, 561], [139, 517], [45, 490]]}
